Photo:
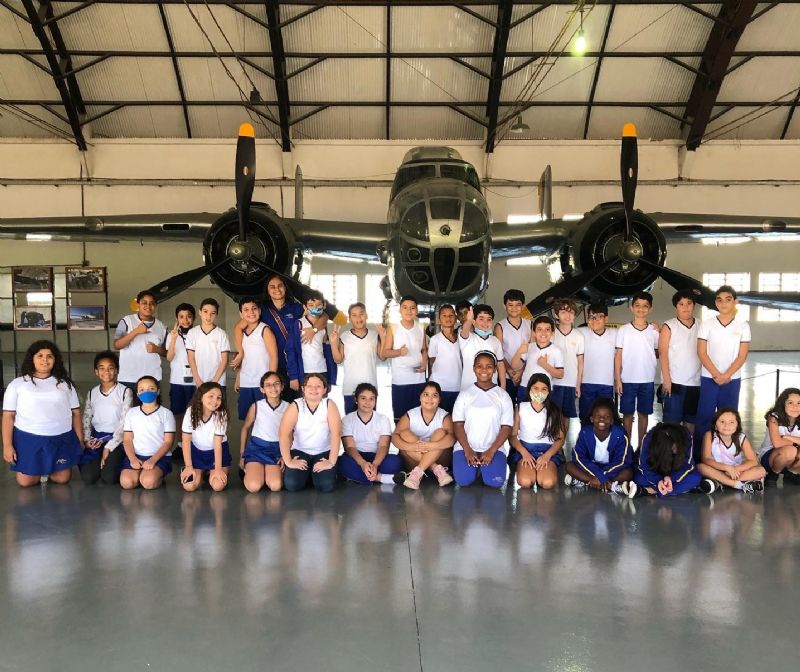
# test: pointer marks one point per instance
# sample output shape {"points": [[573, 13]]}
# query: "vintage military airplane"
{"points": [[438, 241]]}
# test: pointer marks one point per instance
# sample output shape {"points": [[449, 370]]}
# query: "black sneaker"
{"points": [[757, 486], [400, 477], [707, 486], [789, 477], [771, 478]]}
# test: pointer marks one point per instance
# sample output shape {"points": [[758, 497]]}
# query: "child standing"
{"points": [[103, 419], [358, 349], [140, 339], [405, 345], [42, 418], [722, 345], [635, 365], [207, 346], [149, 432], [600, 343], [205, 441], [307, 356], [602, 457], [444, 358], [571, 343], [666, 464], [181, 379], [365, 436], [543, 358], [261, 454], [728, 458], [680, 365], [259, 355], [780, 451], [512, 332], [476, 336], [482, 420], [538, 436]]}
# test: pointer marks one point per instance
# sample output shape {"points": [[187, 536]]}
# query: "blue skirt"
{"points": [[537, 450], [44, 455], [204, 459], [261, 451], [165, 463], [90, 455]]}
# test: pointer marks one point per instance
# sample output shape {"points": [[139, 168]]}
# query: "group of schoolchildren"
{"points": [[475, 399]]}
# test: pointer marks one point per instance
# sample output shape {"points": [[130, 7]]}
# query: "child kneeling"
{"points": [[205, 441]]}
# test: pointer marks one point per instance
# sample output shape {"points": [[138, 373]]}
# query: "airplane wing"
{"points": [[543, 238], [351, 240], [687, 226], [172, 227]]}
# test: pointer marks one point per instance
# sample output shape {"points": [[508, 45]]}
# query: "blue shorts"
{"points": [[247, 397], [45, 455], [448, 400], [537, 450], [349, 403], [637, 398], [261, 451], [90, 455], [180, 398], [564, 397], [204, 459], [404, 398], [591, 392], [764, 459], [511, 389], [681, 404], [165, 463]]}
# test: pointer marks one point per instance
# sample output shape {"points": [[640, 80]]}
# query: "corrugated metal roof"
{"points": [[745, 123], [433, 123], [341, 123], [549, 123], [775, 30], [113, 27], [22, 80], [660, 28], [139, 122], [243, 33], [361, 29], [223, 122], [15, 33], [567, 79], [606, 123], [207, 79], [446, 29], [359, 79], [762, 79], [128, 79], [643, 79], [538, 32], [21, 122], [436, 79]]}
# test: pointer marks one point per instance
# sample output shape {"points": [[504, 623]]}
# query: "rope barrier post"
{"points": [[777, 382]]}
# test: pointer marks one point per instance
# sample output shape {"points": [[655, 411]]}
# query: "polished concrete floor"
{"points": [[93, 578]]}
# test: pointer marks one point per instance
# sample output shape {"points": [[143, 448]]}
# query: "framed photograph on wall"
{"points": [[32, 279], [86, 279], [87, 318], [33, 318]]}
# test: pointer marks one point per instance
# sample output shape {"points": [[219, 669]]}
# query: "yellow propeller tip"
{"points": [[340, 319], [526, 314], [247, 131], [629, 130], [134, 305]]}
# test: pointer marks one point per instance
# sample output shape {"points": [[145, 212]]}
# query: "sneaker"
{"points": [[442, 476], [400, 477], [771, 478], [707, 486], [618, 488], [573, 482], [747, 488], [758, 486], [414, 478], [630, 488], [791, 477]]}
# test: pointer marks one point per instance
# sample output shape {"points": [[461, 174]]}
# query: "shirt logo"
{"points": [[62, 460]]}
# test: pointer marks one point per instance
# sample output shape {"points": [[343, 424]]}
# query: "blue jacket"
{"points": [[620, 455], [653, 478]]}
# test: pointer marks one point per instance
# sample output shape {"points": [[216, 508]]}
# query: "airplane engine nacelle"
{"points": [[269, 239]]}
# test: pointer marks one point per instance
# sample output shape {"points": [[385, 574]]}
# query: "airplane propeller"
{"points": [[239, 250]]}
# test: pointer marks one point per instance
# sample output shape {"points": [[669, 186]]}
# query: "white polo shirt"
{"points": [[446, 369], [368, 434], [360, 359], [203, 435], [149, 429], [134, 360], [513, 336], [424, 430], [639, 347], [554, 357], [723, 342], [532, 424], [684, 364], [208, 349], [404, 368], [179, 366], [43, 406], [571, 345], [483, 413], [598, 356], [470, 347]]}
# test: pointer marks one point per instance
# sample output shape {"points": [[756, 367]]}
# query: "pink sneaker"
{"points": [[414, 478], [442, 476]]}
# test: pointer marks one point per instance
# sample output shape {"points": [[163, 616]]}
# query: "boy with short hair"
{"points": [[181, 380], [259, 355], [722, 346], [680, 364], [359, 350], [476, 336], [600, 344], [303, 358], [462, 308], [207, 346], [635, 365], [512, 332], [405, 345], [543, 357], [571, 343]]}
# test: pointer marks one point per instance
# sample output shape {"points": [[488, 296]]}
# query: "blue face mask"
{"points": [[483, 333], [147, 397], [316, 312]]}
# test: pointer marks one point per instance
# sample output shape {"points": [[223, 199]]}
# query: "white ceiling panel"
{"points": [[436, 79], [747, 123], [433, 123], [16, 33], [643, 79], [562, 79], [341, 123], [224, 122], [140, 122], [344, 79], [540, 31], [606, 123], [336, 29], [762, 79], [207, 79], [22, 80], [31, 122], [446, 29], [113, 27], [221, 25], [777, 30], [129, 79], [549, 123], [660, 28]]}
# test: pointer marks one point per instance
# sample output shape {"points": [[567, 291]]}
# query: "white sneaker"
{"points": [[618, 488], [630, 488], [573, 482]]}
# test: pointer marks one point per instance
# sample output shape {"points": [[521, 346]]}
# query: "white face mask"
{"points": [[539, 397]]}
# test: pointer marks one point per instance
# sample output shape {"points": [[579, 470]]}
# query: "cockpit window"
{"points": [[460, 171], [475, 224], [445, 208], [408, 174], [415, 222]]}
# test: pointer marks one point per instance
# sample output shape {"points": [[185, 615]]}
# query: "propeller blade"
{"points": [[546, 194], [629, 173], [177, 283], [703, 295], [301, 292], [566, 288], [245, 175], [298, 193], [784, 300]]}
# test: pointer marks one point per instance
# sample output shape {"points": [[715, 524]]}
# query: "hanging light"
{"points": [[519, 126], [580, 42]]}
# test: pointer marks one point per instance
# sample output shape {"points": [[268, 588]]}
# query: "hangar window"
{"points": [[341, 288], [778, 282], [739, 281], [373, 297]]}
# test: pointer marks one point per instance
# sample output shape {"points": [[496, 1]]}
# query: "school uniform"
{"points": [[598, 368], [447, 368], [255, 363], [555, 358], [148, 431], [181, 381], [424, 430], [407, 382], [726, 453], [471, 346], [766, 445], [572, 346], [134, 360], [208, 349], [532, 434], [684, 479], [603, 459], [639, 348], [722, 346], [312, 443], [43, 437], [360, 364], [367, 436], [103, 419], [513, 337], [483, 413], [304, 358], [263, 445], [684, 371], [203, 437]]}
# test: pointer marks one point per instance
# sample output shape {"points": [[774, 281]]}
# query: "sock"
{"points": [[739, 485], [386, 478]]}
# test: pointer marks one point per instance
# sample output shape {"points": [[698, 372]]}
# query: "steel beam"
{"points": [[596, 76], [279, 70], [499, 50], [178, 78]]}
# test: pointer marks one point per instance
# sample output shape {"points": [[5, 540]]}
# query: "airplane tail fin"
{"points": [[546, 194]]}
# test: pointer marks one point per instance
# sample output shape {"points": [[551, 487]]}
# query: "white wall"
{"points": [[41, 179]]}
